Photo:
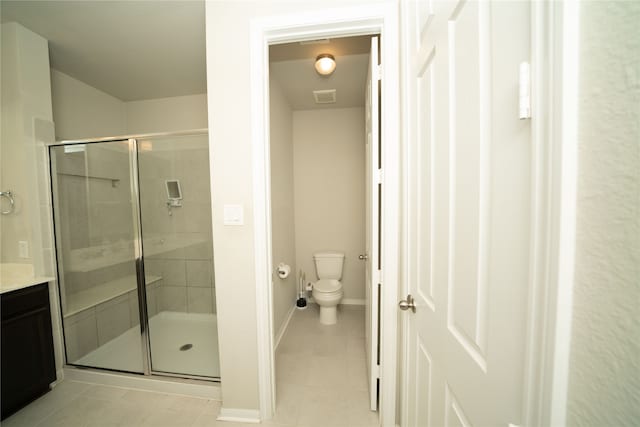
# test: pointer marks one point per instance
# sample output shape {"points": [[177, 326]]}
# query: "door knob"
{"points": [[407, 304], [363, 257]]}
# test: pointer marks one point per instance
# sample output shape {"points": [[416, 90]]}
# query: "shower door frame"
{"points": [[137, 245]]}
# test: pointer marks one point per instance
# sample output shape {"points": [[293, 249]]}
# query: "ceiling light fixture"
{"points": [[325, 64]]}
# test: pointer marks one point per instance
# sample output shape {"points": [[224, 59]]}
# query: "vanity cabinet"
{"points": [[28, 363]]}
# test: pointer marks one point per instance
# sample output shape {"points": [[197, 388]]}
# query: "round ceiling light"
{"points": [[325, 64]]}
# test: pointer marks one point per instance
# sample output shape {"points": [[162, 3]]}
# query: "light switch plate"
{"points": [[23, 249], [233, 215]]}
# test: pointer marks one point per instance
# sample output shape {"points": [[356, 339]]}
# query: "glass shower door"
{"points": [[97, 237], [175, 204]]}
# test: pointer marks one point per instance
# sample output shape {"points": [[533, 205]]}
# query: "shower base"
{"points": [[170, 335]]}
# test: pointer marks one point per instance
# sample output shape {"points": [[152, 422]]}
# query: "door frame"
{"points": [[554, 77], [348, 21], [555, 72]]}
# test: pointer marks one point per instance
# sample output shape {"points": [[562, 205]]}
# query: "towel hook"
{"points": [[8, 195]]}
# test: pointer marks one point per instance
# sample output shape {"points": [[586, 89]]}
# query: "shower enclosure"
{"points": [[134, 246]]}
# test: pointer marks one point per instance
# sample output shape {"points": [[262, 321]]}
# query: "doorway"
{"points": [[380, 19], [324, 150]]}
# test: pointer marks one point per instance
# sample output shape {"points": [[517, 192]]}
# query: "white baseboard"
{"points": [[191, 388], [344, 301], [352, 301], [284, 327], [239, 415]]}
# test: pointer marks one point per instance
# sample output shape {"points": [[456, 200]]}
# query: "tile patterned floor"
{"points": [[320, 381], [321, 375]]}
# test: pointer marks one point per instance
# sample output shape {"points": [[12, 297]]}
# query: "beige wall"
{"points": [[82, 111], [329, 176], [13, 177], [282, 205], [605, 344], [26, 129], [167, 114]]}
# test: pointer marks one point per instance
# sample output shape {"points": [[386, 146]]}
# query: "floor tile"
{"points": [[356, 348], [105, 393], [323, 407], [357, 374], [321, 374], [321, 381], [327, 371]]}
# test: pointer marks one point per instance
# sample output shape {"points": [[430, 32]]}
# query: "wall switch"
{"points": [[23, 249], [233, 215]]}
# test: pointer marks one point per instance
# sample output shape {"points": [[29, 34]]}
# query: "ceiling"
{"points": [[291, 65], [136, 50], [132, 50]]}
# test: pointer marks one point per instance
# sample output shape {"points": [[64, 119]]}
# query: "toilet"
{"points": [[327, 291]]}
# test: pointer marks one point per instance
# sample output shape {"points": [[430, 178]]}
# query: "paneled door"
{"points": [[372, 255], [469, 192]]}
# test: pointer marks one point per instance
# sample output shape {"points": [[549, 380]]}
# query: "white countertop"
{"points": [[14, 276]]}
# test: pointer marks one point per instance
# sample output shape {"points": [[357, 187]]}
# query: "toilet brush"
{"points": [[301, 303]]}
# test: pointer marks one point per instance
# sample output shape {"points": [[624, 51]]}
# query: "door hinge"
{"points": [[379, 72], [379, 176], [376, 371], [378, 278]]}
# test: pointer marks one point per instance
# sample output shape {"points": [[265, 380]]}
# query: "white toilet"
{"points": [[327, 291]]}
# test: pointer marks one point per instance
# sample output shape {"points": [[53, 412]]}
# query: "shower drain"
{"points": [[186, 347]]}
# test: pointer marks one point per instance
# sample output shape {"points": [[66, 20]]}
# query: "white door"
{"points": [[374, 185], [469, 164]]}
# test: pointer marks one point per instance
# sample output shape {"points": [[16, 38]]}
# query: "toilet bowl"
{"points": [[327, 291]]}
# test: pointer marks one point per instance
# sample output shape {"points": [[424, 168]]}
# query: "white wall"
{"points": [[282, 205], [15, 227], [604, 387], [329, 175], [26, 129], [167, 114], [82, 111]]}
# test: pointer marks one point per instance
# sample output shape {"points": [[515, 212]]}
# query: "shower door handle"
{"points": [[9, 196]]}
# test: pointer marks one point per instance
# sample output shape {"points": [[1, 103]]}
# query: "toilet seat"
{"points": [[327, 286]]}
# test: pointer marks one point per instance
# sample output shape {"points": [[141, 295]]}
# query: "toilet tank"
{"points": [[329, 265]]}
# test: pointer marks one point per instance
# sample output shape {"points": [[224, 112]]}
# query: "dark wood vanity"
{"points": [[28, 363]]}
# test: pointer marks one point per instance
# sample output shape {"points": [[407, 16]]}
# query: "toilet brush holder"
{"points": [[301, 303]]}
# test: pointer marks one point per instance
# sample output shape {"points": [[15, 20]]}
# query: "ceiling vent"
{"points": [[325, 96]]}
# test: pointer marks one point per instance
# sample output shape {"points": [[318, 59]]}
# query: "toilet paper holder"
{"points": [[283, 270]]}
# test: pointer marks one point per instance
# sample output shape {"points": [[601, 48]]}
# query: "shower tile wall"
{"points": [[187, 272], [96, 214], [96, 325], [96, 233]]}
